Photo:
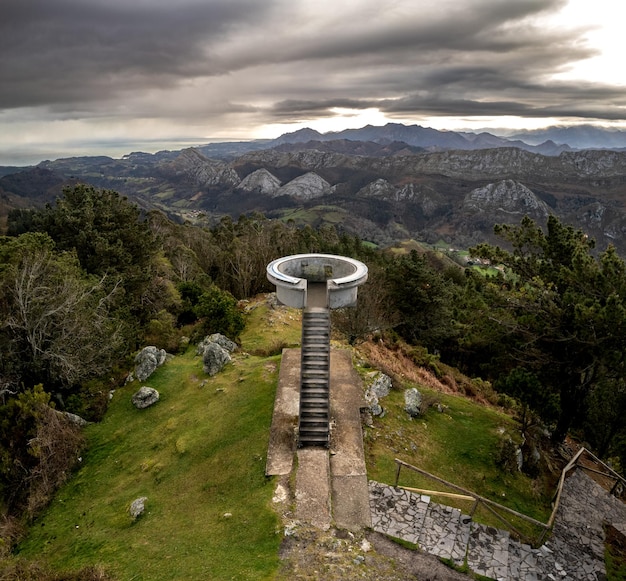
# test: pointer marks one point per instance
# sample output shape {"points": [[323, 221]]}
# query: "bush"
{"points": [[219, 313], [161, 332], [39, 448]]}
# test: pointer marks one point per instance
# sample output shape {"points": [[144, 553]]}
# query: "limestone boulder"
{"points": [[137, 507], [218, 338], [214, 358], [147, 360], [381, 385], [145, 397], [413, 402], [377, 389]]}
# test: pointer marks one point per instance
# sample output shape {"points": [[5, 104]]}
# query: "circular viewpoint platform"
{"points": [[297, 275]]}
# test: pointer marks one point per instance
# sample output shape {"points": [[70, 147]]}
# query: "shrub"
{"points": [[219, 313], [39, 448]]}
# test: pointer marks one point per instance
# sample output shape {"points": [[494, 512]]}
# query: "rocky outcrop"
{"points": [[380, 188], [260, 181], [305, 187], [377, 389], [194, 168], [507, 196]]}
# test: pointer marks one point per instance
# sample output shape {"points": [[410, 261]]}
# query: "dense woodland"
{"points": [[87, 281]]}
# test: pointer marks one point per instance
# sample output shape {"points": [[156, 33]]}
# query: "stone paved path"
{"points": [[574, 551]]}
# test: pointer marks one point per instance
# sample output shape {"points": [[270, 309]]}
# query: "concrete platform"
{"points": [[350, 494], [331, 486], [282, 441], [313, 487]]}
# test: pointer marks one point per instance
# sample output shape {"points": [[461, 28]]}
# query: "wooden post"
{"points": [[397, 473], [543, 535], [476, 502]]}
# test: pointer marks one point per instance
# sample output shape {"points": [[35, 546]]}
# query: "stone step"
{"points": [[315, 357], [315, 328], [315, 370], [523, 562], [314, 381], [315, 374], [445, 532], [397, 512], [488, 551], [313, 427], [316, 350], [307, 441], [314, 390]]}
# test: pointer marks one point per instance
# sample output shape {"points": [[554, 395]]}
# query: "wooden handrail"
{"points": [[559, 488], [438, 493], [470, 493], [612, 474], [467, 494]]}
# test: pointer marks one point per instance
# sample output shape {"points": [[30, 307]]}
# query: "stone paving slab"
{"points": [[488, 551], [397, 512], [350, 505], [522, 562], [313, 487], [459, 551], [439, 530]]}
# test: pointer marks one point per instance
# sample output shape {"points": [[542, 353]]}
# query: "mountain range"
{"points": [[384, 183]]}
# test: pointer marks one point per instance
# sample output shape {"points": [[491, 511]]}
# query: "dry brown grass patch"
{"points": [[400, 367]]}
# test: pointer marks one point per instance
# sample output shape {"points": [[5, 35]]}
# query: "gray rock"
{"points": [[145, 397], [305, 187], [137, 507], [372, 401], [72, 418], [76, 419], [223, 341], [413, 402], [218, 338], [215, 357], [261, 181], [381, 385], [147, 360]]}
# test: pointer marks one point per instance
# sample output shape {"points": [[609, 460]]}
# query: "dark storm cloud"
{"points": [[56, 51], [221, 63], [479, 58]]}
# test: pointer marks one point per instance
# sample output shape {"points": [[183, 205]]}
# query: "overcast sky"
{"points": [[96, 75]]}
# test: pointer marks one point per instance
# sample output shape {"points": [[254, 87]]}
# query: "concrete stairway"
{"points": [[313, 425], [449, 534]]}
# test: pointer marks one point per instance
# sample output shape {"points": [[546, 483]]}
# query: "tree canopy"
{"points": [[561, 314]]}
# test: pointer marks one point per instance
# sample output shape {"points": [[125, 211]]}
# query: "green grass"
{"points": [[268, 328], [198, 455], [615, 555], [311, 216], [460, 446]]}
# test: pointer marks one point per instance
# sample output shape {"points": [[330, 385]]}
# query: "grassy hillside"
{"points": [[199, 455]]}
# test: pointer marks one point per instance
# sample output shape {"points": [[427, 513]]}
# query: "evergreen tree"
{"points": [[562, 313]]}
